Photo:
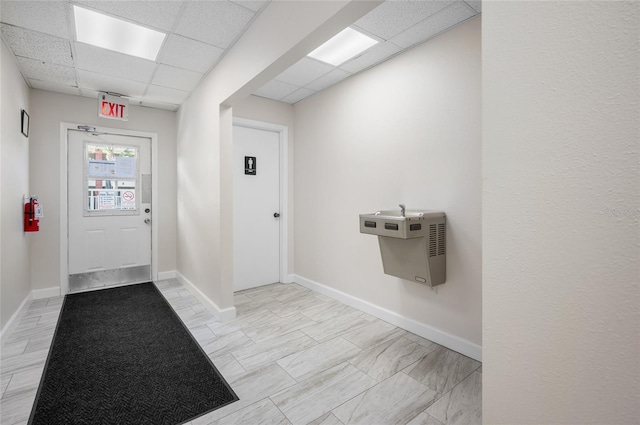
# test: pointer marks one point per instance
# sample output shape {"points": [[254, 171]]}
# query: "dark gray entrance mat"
{"points": [[122, 356]]}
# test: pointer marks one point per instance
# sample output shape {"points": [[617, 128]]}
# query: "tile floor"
{"points": [[293, 357]]}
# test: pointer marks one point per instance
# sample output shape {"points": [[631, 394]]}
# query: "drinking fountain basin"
{"points": [[393, 224], [412, 243]]}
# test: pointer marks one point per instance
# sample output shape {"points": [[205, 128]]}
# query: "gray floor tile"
{"points": [[261, 412], [251, 387], [461, 405], [273, 349], [16, 409], [372, 334], [304, 364], [336, 326], [328, 419], [229, 367], [25, 381], [385, 360], [278, 326], [324, 383], [225, 344], [317, 396], [424, 419], [327, 311], [442, 369], [395, 400], [12, 349]]}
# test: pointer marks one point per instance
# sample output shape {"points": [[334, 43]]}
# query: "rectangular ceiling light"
{"points": [[342, 47], [114, 34]]}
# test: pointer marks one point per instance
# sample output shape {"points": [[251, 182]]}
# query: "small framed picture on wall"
{"points": [[25, 123]]}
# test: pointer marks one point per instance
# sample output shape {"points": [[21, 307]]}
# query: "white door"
{"points": [[109, 209], [256, 223]]}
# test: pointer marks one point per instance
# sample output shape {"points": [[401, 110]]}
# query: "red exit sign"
{"points": [[113, 107]]}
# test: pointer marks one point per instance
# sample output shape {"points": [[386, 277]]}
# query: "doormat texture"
{"points": [[122, 356]]}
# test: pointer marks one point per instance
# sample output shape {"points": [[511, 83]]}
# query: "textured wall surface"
{"points": [[15, 282], [404, 132], [560, 212], [48, 111]]}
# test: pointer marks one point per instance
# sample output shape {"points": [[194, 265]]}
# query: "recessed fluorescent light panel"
{"points": [[114, 34], [342, 47]]}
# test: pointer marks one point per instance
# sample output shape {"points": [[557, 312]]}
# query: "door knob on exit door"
{"points": [[147, 220], [276, 215]]}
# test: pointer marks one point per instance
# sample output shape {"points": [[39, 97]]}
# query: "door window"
{"points": [[111, 180]]}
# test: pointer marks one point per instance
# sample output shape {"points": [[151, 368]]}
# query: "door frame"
{"points": [[64, 233], [283, 136]]}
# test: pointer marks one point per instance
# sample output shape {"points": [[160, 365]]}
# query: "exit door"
{"points": [[256, 224], [109, 209]]}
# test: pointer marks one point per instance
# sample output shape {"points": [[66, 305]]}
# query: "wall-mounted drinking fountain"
{"points": [[412, 243]]}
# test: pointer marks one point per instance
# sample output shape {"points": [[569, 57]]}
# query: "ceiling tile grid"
{"points": [[435, 24], [41, 35], [38, 70], [36, 45], [189, 54], [49, 17], [176, 78], [214, 22], [106, 83], [156, 14], [399, 24], [59, 88], [102, 61]]}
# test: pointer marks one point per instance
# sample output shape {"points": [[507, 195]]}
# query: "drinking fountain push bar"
{"points": [[412, 243]]}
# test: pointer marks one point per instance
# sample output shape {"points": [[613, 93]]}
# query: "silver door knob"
{"points": [[147, 220], [276, 215]]}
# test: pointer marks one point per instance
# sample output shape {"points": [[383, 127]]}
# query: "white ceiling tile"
{"points": [[107, 83], [37, 70], [393, 17], [275, 90], [254, 5], [176, 78], [371, 57], [103, 61], [297, 95], [165, 95], [189, 54], [475, 4], [304, 71], [158, 14], [58, 88], [36, 45], [93, 94], [49, 17], [329, 79], [160, 105], [435, 24], [214, 22]]}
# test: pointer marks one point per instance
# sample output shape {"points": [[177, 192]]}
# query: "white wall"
{"points": [[14, 160], [406, 131], [281, 35], [267, 110], [561, 203], [48, 111]]}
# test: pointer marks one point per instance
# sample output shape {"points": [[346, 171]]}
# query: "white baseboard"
{"points": [[223, 314], [452, 342], [290, 278], [171, 274], [13, 322], [38, 294]]}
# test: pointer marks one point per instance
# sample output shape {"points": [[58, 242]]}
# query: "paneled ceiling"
{"points": [[41, 35]]}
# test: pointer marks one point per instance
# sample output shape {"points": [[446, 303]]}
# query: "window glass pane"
{"points": [[111, 178]]}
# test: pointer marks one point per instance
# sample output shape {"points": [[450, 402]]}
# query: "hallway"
{"points": [[288, 345]]}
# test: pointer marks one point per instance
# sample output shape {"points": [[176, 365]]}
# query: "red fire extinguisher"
{"points": [[32, 214]]}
